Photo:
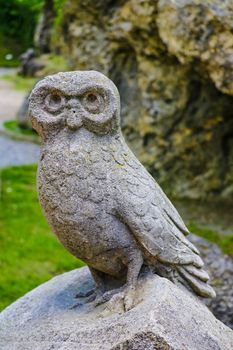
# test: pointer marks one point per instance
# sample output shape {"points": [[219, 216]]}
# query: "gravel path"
{"points": [[13, 152], [17, 152], [7, 71], [10, 99]]}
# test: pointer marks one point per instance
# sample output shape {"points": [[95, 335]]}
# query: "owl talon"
{"points": [[129, 299], [75, 306], [85, 294], [105, 297], [123, 294]]}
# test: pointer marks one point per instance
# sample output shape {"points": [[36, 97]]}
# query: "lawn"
{"points": [[29, 253], [13, 126], [19, 82], [13, 130]]}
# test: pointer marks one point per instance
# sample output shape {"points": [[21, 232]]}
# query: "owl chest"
{"points": [[71, 185]]}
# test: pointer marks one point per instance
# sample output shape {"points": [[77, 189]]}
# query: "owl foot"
{"points": [[125, 294], [86, 293], [105, 297], [129, 298]]}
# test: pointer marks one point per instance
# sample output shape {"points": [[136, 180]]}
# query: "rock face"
{"points": [[172, 62], [220, 267], [165, 317]]}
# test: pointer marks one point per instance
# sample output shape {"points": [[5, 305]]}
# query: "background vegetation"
{"points": [[18, 19]]}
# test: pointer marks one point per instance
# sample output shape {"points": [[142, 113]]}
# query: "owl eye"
{"points": [[54, 102], [93, 102]]}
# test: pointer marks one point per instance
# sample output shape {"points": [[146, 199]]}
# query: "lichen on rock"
{"points": [[201, 31]]}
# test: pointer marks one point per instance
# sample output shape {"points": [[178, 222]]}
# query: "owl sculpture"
{"points": [[99, 200]]}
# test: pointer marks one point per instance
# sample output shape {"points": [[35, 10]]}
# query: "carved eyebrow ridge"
{"points": [[79, 91]]}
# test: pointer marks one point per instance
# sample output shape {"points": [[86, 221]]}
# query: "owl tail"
{"points": [[196, 279]]}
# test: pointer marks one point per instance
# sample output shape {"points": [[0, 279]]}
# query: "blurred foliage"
{"points": [[14, 62], [53, 64], [18, 19], [15, 131], [58, 6], [12, 125], [30, 254], [20, 82], [225, 242]]}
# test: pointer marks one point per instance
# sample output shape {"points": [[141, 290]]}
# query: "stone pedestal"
{"points": [[165, 317]]}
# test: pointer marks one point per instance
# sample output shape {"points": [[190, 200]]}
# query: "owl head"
{"points": [[74, 100]]}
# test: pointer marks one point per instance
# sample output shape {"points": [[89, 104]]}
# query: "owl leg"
{"points": [[99, 280], [97, 290], [134, 266], [133, 261]]}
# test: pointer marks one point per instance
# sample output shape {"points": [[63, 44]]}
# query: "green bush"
{"points": [[18, 20]]}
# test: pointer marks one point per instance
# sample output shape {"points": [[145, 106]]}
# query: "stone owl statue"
{"points": [[99, 200]]}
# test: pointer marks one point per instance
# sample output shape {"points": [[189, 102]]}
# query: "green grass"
{"points": [[13, 126], [9, 64], [29, 253], [19, 82], [13, 130], [225, 242]]}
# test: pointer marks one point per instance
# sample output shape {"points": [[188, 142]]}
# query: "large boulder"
{"points": [[172, 62], [220, 268], [165, 317], [196, 30]]}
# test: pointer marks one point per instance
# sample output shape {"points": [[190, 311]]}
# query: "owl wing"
{"points": [[151, 217]]}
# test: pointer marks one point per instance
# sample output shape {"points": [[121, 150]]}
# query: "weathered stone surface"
{"points": [[220, 267], [172, 62], [165, 318], [200, 31]]}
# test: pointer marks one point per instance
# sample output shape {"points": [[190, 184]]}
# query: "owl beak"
{"points": [[74, 121]]}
